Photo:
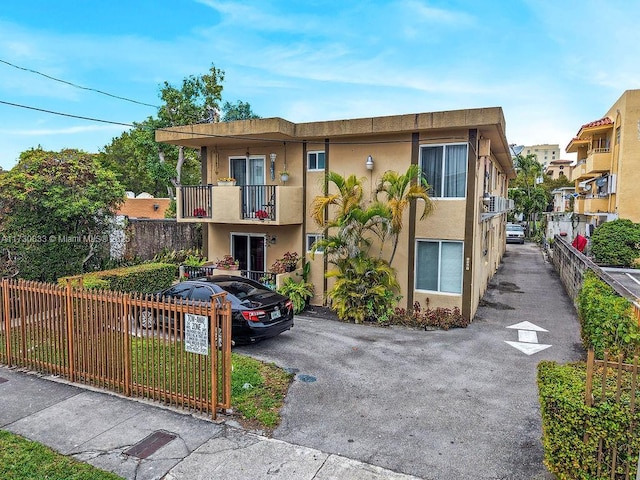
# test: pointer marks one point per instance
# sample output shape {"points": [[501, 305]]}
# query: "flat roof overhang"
{"points": [[489, 122]]}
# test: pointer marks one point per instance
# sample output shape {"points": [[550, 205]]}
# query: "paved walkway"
{"points": [[100, 428], [367, 402], [451, 404]]}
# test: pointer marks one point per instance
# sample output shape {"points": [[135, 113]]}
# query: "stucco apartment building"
{"points": [[448, 257], [607, 173]]}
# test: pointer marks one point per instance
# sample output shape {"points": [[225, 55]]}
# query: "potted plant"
{"points": [[226, 181], [262, 214], [199, 212], [287, 263], [284, 175], [227, 263]]}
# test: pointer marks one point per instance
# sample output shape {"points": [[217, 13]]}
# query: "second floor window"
{"points": [[315, 161], [445, 169]]}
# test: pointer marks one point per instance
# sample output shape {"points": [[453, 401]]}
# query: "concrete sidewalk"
{"points": [[107, 431]]}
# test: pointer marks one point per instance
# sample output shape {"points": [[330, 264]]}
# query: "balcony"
{"points": [[596, 204], [598, 160], [581, 172], [250, 204]]}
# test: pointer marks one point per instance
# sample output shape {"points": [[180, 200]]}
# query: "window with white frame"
{"points": [[439, 266], [312, 238], [445, 169], [315, 160]]}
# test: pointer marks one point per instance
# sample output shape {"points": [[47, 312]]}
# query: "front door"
{"points": [[249, 250]]}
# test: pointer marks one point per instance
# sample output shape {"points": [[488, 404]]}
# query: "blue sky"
{"points": [[551, 65]]}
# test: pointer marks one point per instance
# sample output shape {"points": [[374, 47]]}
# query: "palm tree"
{"points": [[355, 223], [401, 190], [529, 170], [348, 197]]}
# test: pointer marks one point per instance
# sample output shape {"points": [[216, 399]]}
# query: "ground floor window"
{"points": [[439, 266], [312, 238]]}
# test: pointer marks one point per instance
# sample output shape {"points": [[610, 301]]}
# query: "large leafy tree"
{"points": [[237, 111], [144, 165], [56, 211]]}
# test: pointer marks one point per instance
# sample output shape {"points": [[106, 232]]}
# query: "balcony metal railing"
{"points": [[266, 278], [258, 202], [196, 201]]}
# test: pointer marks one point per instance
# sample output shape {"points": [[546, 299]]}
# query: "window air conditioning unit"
{"points": [[611, 184], [584, 186]]}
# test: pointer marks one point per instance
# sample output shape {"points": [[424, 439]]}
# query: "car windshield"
{"points": [[243, 289], [514, 227]]}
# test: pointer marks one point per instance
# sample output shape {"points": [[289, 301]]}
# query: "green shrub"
{"points": [[298, 292], [179, 256], [145, 278], [616, 243], [440, 317], [606, 319], [364, 290], [566, 419]]}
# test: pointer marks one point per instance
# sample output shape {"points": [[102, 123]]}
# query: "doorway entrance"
{"points": [[249, 250]]}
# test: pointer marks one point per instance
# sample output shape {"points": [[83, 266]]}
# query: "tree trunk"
{"points": [[179, 164]]}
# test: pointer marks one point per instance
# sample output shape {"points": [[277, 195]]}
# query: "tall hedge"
{"points": [[616, 243], [144, 278], [606, 319], [566, 419]]}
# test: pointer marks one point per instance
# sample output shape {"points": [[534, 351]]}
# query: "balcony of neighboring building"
{"points": [[247, 204], [580, 172], [598, 160], [591, 204]]}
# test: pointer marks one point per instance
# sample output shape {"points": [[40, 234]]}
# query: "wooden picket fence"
{"points": [[96, 338], [613, 381]]}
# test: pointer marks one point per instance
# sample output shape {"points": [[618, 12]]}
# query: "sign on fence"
{"points": [[196, 333]]}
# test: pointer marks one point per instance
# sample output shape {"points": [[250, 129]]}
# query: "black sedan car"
{"points": [[257, 311]]}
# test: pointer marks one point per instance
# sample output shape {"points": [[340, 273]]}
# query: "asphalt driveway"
{"points": [[451, 404]]}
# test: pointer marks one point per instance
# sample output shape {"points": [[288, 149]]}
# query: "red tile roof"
{"points": [[598, 123]]}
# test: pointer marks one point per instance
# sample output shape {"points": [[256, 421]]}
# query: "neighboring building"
{"points": [[562, 199], [447, 258], [607, 172], [557, 168], [545, 153], [144, 207], [561, 220]]}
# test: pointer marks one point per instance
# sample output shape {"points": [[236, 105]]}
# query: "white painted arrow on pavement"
{"points": [[528, 338]]}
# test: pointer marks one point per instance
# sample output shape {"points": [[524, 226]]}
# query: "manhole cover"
{"points": [[2, 380], [148, 446]]}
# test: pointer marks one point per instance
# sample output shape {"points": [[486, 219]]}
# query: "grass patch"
{"points": [[21, 459], [258, 390]]}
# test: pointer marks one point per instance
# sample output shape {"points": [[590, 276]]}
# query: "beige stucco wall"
{"points": [[389, 141], [626, 113]]}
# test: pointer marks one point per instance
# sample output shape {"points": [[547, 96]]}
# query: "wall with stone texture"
{"points": [[146, 237]]}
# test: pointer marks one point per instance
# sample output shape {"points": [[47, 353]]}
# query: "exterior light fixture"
{"points": [[272, 170], [369, 163]]}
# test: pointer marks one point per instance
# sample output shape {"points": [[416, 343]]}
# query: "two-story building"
{"points": [[607, 172], [447, 258]]}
